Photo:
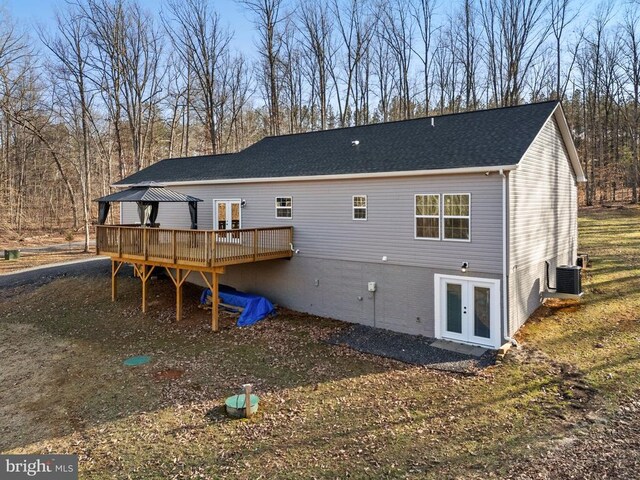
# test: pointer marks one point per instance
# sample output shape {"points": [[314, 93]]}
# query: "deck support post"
{"points": [[178, 281], [114, 278], [144, 277], [178, 295], [213, 286], [214, 302]]}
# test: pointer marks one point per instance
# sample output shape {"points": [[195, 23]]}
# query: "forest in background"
{"points": [[111, 88]]}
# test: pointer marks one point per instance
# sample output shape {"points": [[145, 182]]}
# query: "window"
{"points": [[456, 217], [283, 207], [427, 216], [359, 207]]}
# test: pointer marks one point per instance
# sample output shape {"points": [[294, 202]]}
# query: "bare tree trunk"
{"points": [[267, 19], [202, 42], [71, 54]]}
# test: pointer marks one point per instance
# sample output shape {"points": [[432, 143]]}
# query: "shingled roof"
{"points": [[484, 138]]}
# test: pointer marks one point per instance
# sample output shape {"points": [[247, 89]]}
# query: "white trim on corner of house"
{"points": [[346, 176]]}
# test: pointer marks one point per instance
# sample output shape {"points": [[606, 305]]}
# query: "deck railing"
{"points": [[198, 248]]}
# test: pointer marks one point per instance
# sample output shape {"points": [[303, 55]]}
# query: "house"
{"points": [[437, 226]]}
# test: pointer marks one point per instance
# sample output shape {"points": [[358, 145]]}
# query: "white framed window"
{"points": [[427, 216], [284, 207], [359, 203], [456, 216]]}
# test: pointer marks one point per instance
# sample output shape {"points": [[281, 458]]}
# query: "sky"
{"points": [[35, 12], [30, 13]]}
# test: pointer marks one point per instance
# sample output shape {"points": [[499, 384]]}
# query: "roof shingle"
{"points": [[483, 138]]}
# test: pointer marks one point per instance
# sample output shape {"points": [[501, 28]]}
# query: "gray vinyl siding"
{"points": [[323, 225], [339, 256], [403, 302], [543, 215]]}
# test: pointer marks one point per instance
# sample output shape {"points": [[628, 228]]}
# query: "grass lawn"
{"points": [[325, 411]]}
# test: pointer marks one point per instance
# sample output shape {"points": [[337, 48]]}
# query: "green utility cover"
{"points": [[237, 401]]}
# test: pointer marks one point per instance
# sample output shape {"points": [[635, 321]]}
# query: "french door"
{"points": [[227, 216], [468, 310]]}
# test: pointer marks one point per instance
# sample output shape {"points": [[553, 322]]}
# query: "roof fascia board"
{"points": [[568, 141], [347, 176]]}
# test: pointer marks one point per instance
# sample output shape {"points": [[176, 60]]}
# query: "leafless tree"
{"points": [[445, 73], [631, 69], [268, 16], [107, 20], [422, 11], [561, 17], [142, 77], [465, 39], [386, 73], [317, 39], [398, 32], [515, 32], [355, 26], [291, 67], [200, 39], [70, 53]]}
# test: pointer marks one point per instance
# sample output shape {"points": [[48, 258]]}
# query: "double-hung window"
{"points": [[359, 207], [456, 216], [427, 216], [284, 206]]}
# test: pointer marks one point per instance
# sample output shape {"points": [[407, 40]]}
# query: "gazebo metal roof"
{"points": [[148, 196], [148, 192]]}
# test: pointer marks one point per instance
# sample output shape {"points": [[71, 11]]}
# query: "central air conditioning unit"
{"points": [[568, 279]]}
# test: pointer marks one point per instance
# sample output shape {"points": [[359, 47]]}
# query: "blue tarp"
{"points": [[255, 307]]}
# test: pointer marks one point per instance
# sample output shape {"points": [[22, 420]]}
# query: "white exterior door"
{"points": [[227, 216], [468, 310]]}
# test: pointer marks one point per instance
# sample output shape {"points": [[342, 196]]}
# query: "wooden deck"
{"points": [[200, 249], [182, 252]]}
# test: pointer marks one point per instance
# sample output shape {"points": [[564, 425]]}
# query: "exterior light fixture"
{"points": [[464, 267], [355, 143]]}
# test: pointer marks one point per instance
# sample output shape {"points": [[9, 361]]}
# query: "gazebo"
{"points": [[148, 196]]}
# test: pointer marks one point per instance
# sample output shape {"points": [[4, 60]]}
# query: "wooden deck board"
{"points": [[193, 248]]}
